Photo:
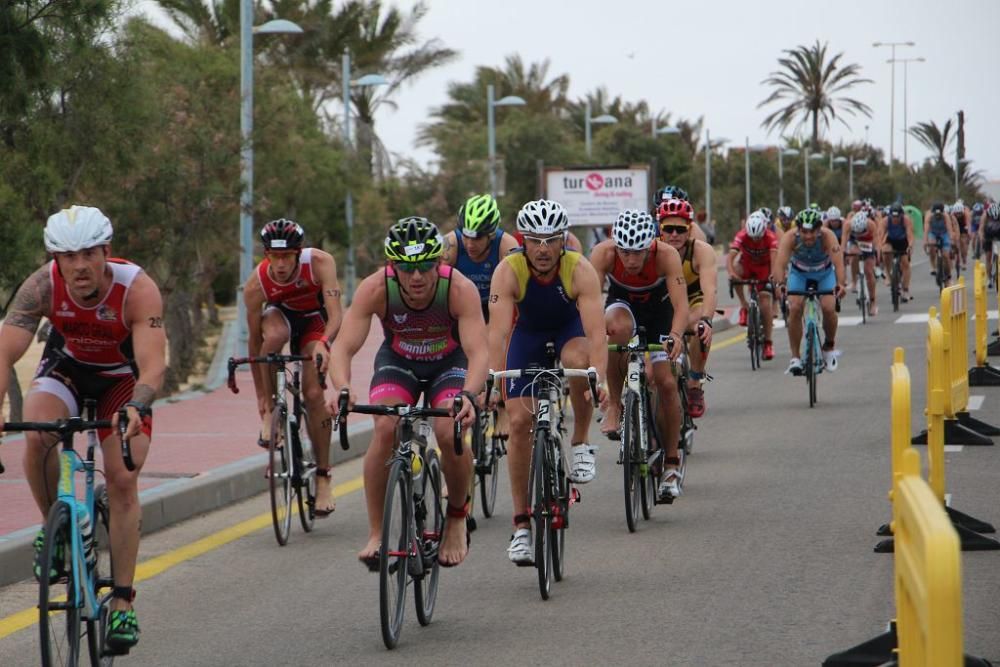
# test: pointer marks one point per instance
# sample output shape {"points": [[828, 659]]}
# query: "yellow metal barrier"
{"points": [[900, 414], [938, 391], [982, 374], [954, 319], [928, 575]]}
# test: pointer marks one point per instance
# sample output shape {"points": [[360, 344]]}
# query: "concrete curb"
{"points": [[182, 499]]}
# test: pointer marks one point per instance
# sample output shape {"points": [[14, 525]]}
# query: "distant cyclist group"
{"points": [[454, 309]]}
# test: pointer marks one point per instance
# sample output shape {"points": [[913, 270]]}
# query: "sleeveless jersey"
{"points": [[755, 252], [938, 225], [429, 334], [480, 273], [301, 292], [691, 276], [641, 287], [838, 231], [896, 231], [545, 305], [95, 335], [810, 259]]}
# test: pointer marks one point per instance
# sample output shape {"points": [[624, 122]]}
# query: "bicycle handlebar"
{"points": [[234, 362], [77, 425], [397, 411], [589, 373]]}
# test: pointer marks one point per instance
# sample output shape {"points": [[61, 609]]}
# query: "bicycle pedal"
{"points": [[574, 496]]}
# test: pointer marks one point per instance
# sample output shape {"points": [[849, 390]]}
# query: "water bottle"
{"points": [[87, 532], [416, 467]]}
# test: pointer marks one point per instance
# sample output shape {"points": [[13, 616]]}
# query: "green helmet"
{"points": [[413, 239], [479, 216], [809, 218]]}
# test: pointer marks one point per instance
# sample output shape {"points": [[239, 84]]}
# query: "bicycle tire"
{"points": [[394, 554], [863, 296], [103, 577], [631, 459], [305, 481], [429, 519], [60, 633], [939, 274], [560, 490], [649, 482], [752, 334], [279, 476], [896, 284], [758, 327], [810, 364], [541, 515], [489, 474]]}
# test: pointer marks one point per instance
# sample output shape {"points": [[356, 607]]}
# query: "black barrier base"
{"points": [[970, 661], [968, 421], [955, 434], [969, 522], [883, 530], [993, 349], [885, 546], [872, 653], [973, 541], [984, 376]]}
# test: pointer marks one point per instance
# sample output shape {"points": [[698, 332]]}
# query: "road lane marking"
{"points": [[915, 318], [975, 402], [160, 564], [729, 341], [953, 448]]}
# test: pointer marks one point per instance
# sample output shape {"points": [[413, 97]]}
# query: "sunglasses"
{"points": [[415, 267], [543, 240], [674, 229]]}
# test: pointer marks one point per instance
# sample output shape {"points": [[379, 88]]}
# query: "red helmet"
{"points": [[675, 208]]}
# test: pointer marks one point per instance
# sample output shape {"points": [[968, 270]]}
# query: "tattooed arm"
{"points": [[450, 254], [31, 304], [144, 314]]}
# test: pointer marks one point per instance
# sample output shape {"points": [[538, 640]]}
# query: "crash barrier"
{"points": [[982, 374], [960, 428], [927, 582]]}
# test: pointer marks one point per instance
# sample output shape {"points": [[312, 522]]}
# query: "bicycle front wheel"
{"points": [[279, 476], [395, 552], [429, 513], [896, 284], [758, 335], [60, 602], [812, 347], [863, 297], [103, 578], [560, 506], [631, 459], [541, 503]]}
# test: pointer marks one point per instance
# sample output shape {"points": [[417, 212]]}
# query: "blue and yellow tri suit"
{"points": [[808, 264], [545, 311], [480, 273]]}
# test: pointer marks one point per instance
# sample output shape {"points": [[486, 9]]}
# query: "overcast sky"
{"points": [[708, 57]]}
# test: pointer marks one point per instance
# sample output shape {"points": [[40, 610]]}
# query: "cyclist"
{"points": [[896, 233], [784, 221], [106, 343], [989, 231], [834, 221], [677, 192], [862, 239], [698, 261], [482, 247], [645, 288], [557, 297], [961, 215], [751, 255], [434, 329], [293, 297], [977, 243], [811, 255], [938, 238]]}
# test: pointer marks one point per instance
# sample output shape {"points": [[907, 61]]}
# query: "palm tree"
{"points": [[935, 138], [213, 23], [387, 43], [811, 85]]}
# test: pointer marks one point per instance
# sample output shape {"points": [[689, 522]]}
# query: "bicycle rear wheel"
{"points": [[103, 577], [541, 503], [863, 296], [395, 553], [429, 515], [279, 476], [560, 506], [59, 602], [489, 464], [631, 459], [650, 482], [305, 486]]}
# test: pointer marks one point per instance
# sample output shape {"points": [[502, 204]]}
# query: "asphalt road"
{"points": [[766, 560]]}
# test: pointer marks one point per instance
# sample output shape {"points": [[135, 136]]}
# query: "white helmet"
{"points": [[833, 213], [756, 225], [959, 207], [634, 230], [77, 228], [542, 216], [859, 223]]}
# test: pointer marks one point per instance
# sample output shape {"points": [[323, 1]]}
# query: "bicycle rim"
{"points": [[630, 460], [541, 518], [279, 478], [811, 363], [59, 610], [430, 527], [488, 482], [305, 490], [394, 554], [560, 491], [649, 483], [863, 297]]}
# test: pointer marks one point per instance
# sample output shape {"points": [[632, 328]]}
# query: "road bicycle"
{"points": [[76, 583], [413, 516], [550, 494], [812, 360], [291, 468], [896, 280], [755, 320], [489, 445]]}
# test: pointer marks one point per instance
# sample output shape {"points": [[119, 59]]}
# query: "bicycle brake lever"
{"points": [[456, 408], [232, 376], [342, 418], [126, 447]]}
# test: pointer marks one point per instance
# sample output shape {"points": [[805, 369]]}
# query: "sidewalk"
{"points": [[203, 454]]}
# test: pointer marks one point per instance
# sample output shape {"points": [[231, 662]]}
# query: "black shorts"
{"points": [[399, 380], [303, 326], [991, 232], [656, 315], [899, 246]]}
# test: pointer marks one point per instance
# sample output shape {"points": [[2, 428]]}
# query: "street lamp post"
{"points": [[587, 121], [247, 30], [850, 178], [708, 177], [809, 156], [346, 83], [892, 96], [781, 172], [491, 134], [906, 133]]}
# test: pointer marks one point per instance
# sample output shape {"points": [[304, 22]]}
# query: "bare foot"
{"points": [[370, 552], [325, 504], [611, 418], [454, 543]]}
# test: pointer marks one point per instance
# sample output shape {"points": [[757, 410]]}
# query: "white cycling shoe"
{"points": [[670, 487], [583, 464], [831, 359], [520, 551], [794, 366]]}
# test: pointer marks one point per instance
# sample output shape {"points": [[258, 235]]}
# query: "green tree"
{"points": [[811, 86], [934, 138]]}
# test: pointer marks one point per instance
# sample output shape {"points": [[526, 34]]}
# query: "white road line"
{"points": [[915, 318], [848, 320], [990, 315], [953, 448], [975, 402]]}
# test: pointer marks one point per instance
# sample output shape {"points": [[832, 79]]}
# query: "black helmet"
{"points": [[896, 209], [937, 207], [282, 234], [669, 192]]}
